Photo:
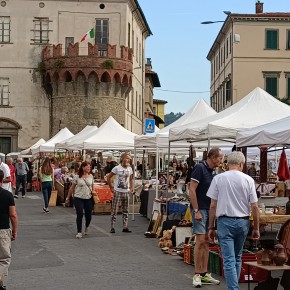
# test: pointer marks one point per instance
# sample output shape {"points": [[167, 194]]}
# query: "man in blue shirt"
{"points": [[201, 179]]}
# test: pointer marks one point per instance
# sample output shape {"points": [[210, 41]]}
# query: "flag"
{"points": [[89, 34]]}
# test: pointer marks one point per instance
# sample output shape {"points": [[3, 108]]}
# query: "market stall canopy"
{"points": [[110, 135], [198, 111], [28, 151], [257, 108], [49, 146], [76, 142], [275, 133], [2, 155]]}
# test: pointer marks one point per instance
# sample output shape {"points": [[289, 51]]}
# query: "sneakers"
{"points": [[126, 230], [208, 279], [196, 281], [15, 196], [86, 232], [23, 196], [79, 235], [45, 210], [2, 287], [112, 231]]}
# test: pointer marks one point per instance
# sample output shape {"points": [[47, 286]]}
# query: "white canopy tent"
{"points": [[275, 133], [28, 151], [257, 108], [160, 138], [49, 146], [110, 136], [76, 142]]}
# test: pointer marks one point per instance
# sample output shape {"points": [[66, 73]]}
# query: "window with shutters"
{"points": [[272, 37], [272, 82], [4, 29], [41, 30], [288, 40], [4, 91], [102, 35]]}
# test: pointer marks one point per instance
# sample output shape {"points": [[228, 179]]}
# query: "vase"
{"points": [[280, 257], [259, 257], [265, 258]]}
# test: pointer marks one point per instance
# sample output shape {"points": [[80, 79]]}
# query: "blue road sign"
{"points": [[149, 125]]}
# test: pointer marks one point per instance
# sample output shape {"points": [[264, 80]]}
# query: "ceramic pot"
{"points": [[259, 257], [280, 257], [265, 258]]}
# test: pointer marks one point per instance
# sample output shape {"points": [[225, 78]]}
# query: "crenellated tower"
{"points": [[86, 88]]}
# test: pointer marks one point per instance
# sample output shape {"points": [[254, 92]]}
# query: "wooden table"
{"points": [[264, 267], [273, 219]]}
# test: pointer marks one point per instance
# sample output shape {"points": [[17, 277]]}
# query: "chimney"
{"points": [[259, 7]]}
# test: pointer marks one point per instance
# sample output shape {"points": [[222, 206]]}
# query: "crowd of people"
{"points": [[220, 203]]}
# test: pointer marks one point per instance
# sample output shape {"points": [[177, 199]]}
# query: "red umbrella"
{"points": [[283, 170]]}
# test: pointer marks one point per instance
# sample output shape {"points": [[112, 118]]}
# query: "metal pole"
{"points": [[133, 193], [157, 168]]}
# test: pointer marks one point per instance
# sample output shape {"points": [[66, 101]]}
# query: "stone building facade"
{"points": [[49, 79]]}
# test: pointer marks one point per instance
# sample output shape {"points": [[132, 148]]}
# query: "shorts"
{"points": [[200, 227]]}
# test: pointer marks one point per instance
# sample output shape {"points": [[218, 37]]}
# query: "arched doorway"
{"points": [[8, 135]]}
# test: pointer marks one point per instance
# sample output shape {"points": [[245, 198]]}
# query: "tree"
{"points": [[171, 117]]}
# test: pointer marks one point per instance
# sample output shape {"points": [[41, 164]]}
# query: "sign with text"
{"points": [[149, 126]]}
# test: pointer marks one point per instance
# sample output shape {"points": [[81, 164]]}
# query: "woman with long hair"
{"points": [[47, 180], [82, 187]]}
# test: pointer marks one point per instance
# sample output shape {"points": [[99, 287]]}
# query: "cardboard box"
{"points": [[53, 198], [102, 208]]}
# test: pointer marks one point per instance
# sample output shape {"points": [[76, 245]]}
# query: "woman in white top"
{"points": [[82, 187]]}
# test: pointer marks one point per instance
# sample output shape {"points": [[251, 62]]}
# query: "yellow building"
{"points": [[159, 110], [250, 50]]}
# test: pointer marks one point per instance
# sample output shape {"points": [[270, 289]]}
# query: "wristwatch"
{"points": [[196, 210]]}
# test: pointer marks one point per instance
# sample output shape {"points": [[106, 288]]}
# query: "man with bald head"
{"points": [[21, 176]]}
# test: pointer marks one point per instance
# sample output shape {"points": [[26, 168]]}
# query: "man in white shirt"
{"points": [[123, 184], [233, 195], [6, 183]]}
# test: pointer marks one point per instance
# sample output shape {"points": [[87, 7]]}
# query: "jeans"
{"points": [[46, 187], [232, 233], [81, 205], [20, 180]]}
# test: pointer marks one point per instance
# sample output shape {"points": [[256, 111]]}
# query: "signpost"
{"points": [[149, 126]]}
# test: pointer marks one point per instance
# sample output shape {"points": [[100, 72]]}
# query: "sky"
{"points": [[179, 44]]}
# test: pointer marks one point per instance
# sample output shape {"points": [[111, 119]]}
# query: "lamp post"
{"points": [[211, 22]]}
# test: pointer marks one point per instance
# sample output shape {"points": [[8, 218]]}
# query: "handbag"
{"points": [[90, 188]]}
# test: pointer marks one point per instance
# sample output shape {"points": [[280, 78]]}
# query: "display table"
{"points": [[273, 219], [264, 267], [104, 193]]}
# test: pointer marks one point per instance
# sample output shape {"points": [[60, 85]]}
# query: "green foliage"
{"points": [[58, 64], [108, 64], [171, 117], [285, 101], [41, 67]]}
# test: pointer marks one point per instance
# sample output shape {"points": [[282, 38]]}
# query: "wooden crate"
{"points": [[102, 208]]}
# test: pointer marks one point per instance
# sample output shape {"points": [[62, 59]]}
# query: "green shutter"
{"points": [[272, 39], [288, 88], [272, 86]]}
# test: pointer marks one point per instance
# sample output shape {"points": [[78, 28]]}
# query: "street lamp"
{"points": [[211, 22]]}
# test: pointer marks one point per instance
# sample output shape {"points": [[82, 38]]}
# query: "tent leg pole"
{"points": [[157, 169], [133, 193]]}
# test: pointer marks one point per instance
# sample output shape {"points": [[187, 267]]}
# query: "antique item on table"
{"points": [[288, 207], [259, 257], [265, 257], [280, 255]]}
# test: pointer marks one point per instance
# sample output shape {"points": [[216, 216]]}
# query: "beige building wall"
{"points": [[29, 105], [239, 57]]}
